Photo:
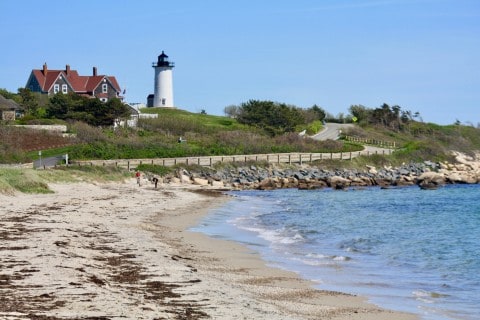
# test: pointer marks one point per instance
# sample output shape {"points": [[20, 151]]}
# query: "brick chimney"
{"points": [[94, 71], [45, 70], [67, 69]]}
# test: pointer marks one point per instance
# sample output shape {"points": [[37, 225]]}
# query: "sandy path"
{"points": [[119, 251]]}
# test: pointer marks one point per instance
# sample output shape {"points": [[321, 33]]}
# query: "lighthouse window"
{"points": [[104, 88], [163, 101]]}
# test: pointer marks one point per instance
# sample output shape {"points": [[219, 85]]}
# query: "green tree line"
{"points": [[69, 107], [393, 118], [273, 117]]}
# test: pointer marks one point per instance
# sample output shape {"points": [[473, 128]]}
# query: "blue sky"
{"points": [[423, 55]]}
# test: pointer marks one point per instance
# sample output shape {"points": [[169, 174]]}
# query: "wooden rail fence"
{"points": [[381, 143], [209, 161]]}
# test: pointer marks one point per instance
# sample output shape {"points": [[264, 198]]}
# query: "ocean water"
{"points": [[404, 249]]}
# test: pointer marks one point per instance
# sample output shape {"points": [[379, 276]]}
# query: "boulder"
{"points": [[174, 180], [267, 184], [217, 184], [382, 182], [462, 177], [314, 184], [337, 182], [371, 169], [430, 180], [200, 181], [185, 179]]}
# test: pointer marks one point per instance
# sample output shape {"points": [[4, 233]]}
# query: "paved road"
{"points": [[331, 131]]}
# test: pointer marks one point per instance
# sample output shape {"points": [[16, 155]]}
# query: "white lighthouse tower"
{"points": [[163, 96]]}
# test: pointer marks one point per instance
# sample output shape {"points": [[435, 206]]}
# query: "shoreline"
{"points": [[122, 251]]}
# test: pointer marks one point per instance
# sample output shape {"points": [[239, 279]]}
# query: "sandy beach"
{"points": [[120, 251]]}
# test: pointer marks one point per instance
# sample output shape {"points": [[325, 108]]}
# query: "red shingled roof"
{"points": [[81, 84]]}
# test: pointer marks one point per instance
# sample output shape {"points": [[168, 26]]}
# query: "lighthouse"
{"points": [[163, 95]]}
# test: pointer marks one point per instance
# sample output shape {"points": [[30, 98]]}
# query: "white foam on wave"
{"points": [[423, 296], [317, 256], [341, 258], [317, 259], [279, 236]]}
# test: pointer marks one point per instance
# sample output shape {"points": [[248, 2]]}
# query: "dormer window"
{"points": [[64, 88], [104, 88], [56, 88]]}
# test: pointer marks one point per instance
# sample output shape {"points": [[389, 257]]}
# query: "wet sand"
{"points": [[120, 251]]}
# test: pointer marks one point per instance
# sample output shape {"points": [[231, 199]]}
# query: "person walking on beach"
{"points": [[137, 174]]}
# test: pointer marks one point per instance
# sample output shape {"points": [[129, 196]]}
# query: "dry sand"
{"points": [[120, 251]]}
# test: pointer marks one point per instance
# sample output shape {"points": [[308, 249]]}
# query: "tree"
{"points": [[314, 113], [88, 110], [360, 112], [321, 114], [9, 95], [117, 111], [29, 101], [274, 118], [231, 111], [389, 117]]}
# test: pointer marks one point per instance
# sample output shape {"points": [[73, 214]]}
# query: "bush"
{"points": [[154, 169], [314, 127]]}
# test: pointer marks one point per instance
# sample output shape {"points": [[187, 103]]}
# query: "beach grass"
{"points": [[36, 181], [23, 180]]}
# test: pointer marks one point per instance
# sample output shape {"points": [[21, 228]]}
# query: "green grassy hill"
{"points": [[216, 135], [421, 141], [157, 138]]}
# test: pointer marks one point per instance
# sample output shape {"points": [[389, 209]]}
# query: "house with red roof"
{"points": [[65, 81]]}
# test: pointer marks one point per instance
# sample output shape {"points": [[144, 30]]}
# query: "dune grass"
{"points": [[36, 181]]}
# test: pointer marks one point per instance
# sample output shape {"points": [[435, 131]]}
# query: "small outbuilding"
{"points": [[9, 109]]}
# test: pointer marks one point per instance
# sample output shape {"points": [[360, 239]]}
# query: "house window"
{"points": [[103, 99], [64, 88], [104, 88], [56, 88]]}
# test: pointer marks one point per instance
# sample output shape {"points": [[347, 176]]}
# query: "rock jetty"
{"points": [[427, 175]]}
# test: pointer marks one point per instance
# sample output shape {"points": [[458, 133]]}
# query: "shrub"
{"points": [[314, 127], [155, 169]]}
